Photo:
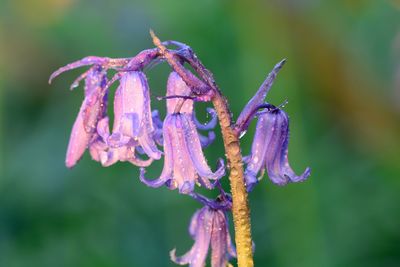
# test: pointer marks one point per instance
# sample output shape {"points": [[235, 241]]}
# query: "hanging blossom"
{"points": [[93, 109], [269, 150], [208, 226], [133, 128], [184, 162], [133, 125]]}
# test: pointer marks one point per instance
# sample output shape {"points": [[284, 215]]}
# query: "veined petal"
{"points": [[167, 171], [256, 161], [78, 141], [92, 110], [184, 172], [218, 240], [196, 256], [177, 87], [195, 151], [279, 170]]}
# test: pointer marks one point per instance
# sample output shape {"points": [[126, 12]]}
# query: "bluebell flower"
{"points": [[208, 227], [269, 150], [184, 161]]}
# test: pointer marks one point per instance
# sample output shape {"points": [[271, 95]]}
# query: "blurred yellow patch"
{"points": [[41, 12]]}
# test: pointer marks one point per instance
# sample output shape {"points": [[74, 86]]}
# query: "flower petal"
{"points": [[207, 140], [208, 125], [184, 172], [218, 240], [279, 170], [196, 256], [195, 151], [80, 63], [78, 141], [262, 137], [167, 171], [177, 87], [259, 97]]}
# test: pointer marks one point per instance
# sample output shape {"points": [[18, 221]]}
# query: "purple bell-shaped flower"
{"points": [[184, 162], [208, 227], [270, 150]]}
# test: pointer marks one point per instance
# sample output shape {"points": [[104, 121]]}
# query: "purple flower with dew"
{"points": [[93, 109], [208, 227], [108, 155], [184, 162], [270, 150], [133, 122]]}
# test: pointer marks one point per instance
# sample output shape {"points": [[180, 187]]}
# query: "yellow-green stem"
{"points": [[240, 205]]}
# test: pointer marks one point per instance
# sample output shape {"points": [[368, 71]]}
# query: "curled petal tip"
{"points": [[303, 176], [280, 64], [174, 258], [251, 180]]}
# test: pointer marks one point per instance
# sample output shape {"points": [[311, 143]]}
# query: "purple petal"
{"points": [[78, 141], [207, 140], [95, 99], [196, 256], [184, 172], [279, 170], [167, 171], [96, 148], [218, 240], [147, 142], [256, 161], [80, 63], [259, 97], [177, 87], [195, 151], [209, 125]]}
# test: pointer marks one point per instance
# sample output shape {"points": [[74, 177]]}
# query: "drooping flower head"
{"points": [[270, 150], [133, 124], [133, 129], [184, 162], [208, 227], [93, 109]]}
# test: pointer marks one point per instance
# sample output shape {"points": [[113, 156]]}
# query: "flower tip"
{"points": [[279, 65], [52, 76], [70, 163], [305, 174], [186, 188], [251, 180], [172, 255]]}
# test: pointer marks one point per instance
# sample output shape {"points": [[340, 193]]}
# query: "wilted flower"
{"points": [[208, 226], [184, 162], [270, 150]]}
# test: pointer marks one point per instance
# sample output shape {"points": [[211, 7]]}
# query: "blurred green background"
{"points": [[342, 81]]}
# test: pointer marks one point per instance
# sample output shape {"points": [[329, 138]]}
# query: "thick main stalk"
{"points": [[240, 205]]}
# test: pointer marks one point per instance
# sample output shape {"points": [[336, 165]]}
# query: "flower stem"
{"points": [[240, 206]]}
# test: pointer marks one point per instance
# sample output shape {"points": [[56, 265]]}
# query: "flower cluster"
{"points": [[140, 136]]}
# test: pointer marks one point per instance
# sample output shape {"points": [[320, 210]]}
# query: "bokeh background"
{"points": [[342, 81]]}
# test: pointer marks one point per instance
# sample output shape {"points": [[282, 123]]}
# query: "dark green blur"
{"points": [[342, 80]]}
